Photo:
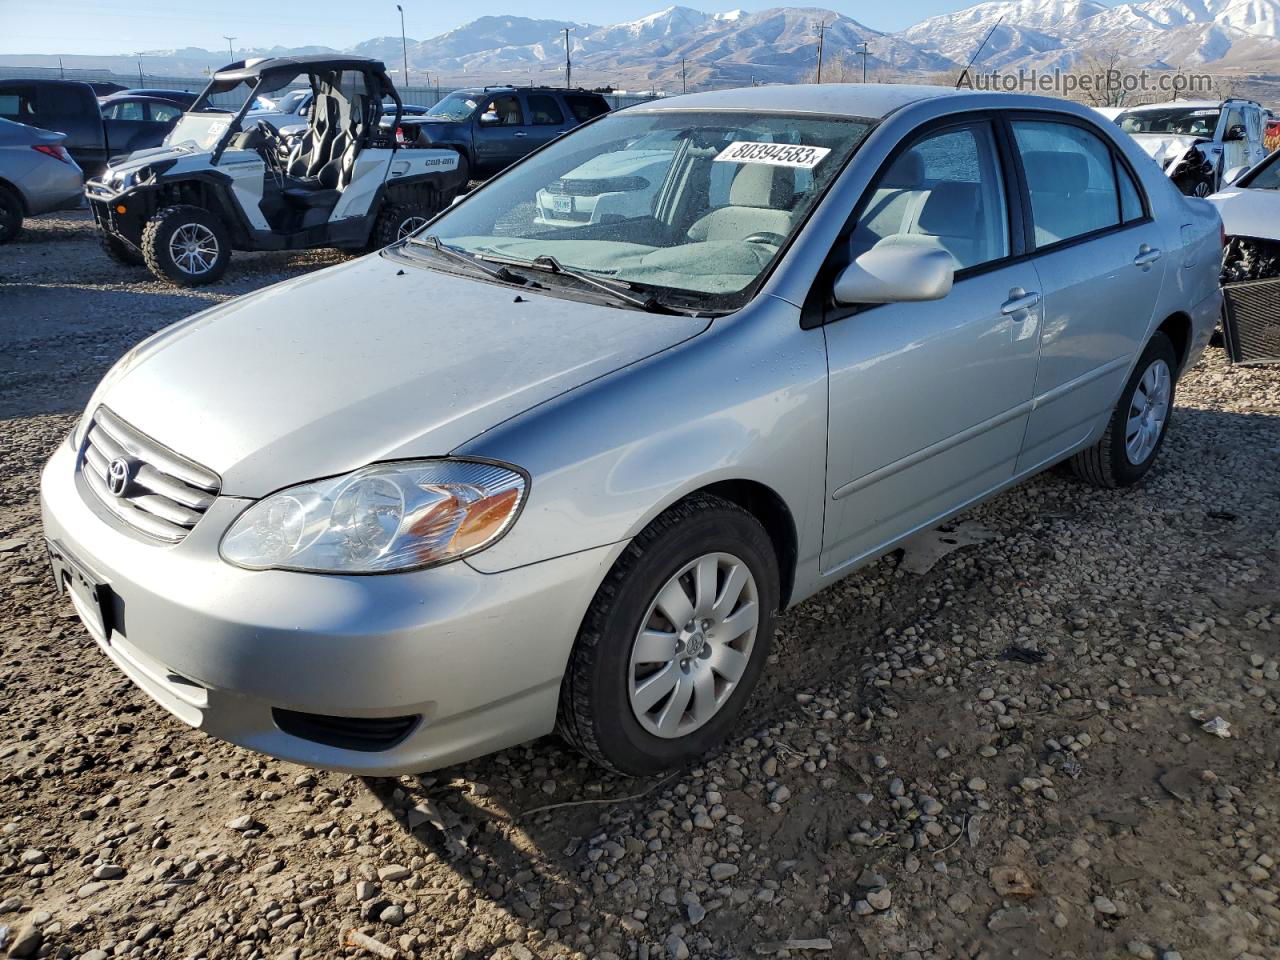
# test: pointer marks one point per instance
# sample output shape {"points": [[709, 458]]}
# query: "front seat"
{"points": [[761, 199]]}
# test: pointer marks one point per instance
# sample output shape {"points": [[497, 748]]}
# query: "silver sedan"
{"points": [[512, 475], [37, 176]]}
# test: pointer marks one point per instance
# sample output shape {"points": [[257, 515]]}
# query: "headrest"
{"points": [[950, 209], [906, 172], [1058, 172], [761, 185]]}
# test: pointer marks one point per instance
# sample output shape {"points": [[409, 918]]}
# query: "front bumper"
{"points": [[477, 657]]}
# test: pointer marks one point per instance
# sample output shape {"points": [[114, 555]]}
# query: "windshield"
{"points": [[456, 106], [1183, 121], [1266, 176], [695, 205], [199, 129]]}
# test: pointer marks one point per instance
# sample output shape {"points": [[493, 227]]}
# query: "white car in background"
{"points": [[617, 185], [1197, 141]]}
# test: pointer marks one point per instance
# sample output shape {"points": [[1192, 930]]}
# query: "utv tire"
{"points": [[119, 251], [643, 692], [187, 246], [1138, 424], [10, 215], [397, 219]]}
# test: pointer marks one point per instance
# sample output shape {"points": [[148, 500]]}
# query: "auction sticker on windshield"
{"points": [[774, 154]]}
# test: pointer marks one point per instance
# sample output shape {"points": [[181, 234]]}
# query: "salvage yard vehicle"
{"points": [[1196, 142], [1250, 210], [507, 476], [37, 176], [493, 127], [218, 184], [71, 108]]}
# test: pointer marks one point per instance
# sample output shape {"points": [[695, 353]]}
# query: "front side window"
{"points": [[1070, 177], [947, 187], [629, 198], [165, 112], [543, 110], [125, 110], [503, 111], [1265, 176], [1180, 121]]}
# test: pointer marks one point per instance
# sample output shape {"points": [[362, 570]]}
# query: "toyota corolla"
{"points": [[516, 474]]}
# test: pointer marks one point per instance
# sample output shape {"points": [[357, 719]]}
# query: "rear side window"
{"points": [[65, 101], [585, 107], [543, 110], [1071, 179], [1130, 199], [125, 110], [165, 112]]}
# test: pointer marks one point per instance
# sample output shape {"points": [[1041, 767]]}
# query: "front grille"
{"points": [[366, 734], [594, 186], [165, 494], [1252, 323]]}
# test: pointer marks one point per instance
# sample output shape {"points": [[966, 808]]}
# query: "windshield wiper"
{"points": [[618, 289], [453, 253]]}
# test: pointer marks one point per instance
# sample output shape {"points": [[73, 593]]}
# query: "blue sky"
{"points": [[127, 26]]}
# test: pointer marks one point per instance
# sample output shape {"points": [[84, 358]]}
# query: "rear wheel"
{"points": [[186, 245], [119, 251], [10, 215], [401, 217], [674, 640], [1138, 424]]}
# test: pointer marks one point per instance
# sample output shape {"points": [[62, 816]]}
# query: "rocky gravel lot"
{"points": [[1001, 746]]}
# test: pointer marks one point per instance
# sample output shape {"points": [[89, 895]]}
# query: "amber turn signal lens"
{"points": [[485, 518], [121, 208]]}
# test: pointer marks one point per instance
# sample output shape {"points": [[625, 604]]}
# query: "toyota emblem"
{"points": [[119, 473]]}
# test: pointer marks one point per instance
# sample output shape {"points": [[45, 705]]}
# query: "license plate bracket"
{"points": [[561, 203], [72, 575]]}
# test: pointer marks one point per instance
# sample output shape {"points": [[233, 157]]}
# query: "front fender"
{"points": [[746, 400]]}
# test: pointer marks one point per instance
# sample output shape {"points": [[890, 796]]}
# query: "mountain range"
{"points": [[681, 45]]}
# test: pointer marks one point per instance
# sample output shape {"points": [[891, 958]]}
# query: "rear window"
{"points": [[17, 103], [585, 107]]}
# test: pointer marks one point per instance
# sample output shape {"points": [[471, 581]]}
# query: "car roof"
{"points": [[252, 69], [873, 100], [499, 88], [1178, 104]]}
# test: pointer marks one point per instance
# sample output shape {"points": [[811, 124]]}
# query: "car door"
{"points": [[546, 119], [1100, 263], [1253, 121], [1234, 138], [500, 134], [929, 401]]}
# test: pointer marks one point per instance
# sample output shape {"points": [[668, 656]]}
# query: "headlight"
{"points": [[387, 517]]}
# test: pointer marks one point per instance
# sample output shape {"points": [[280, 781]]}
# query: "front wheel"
{"points": [[674, 640], [1138, 424], [397, 220], [10, 215], [185, 245]]}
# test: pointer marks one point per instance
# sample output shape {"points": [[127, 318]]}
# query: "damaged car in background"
{"points": [[1250, 210], [1197, 142]]}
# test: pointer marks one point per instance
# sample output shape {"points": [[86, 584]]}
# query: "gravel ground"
{"points": [[1004, 753]]}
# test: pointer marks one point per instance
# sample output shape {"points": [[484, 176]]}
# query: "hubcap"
{"points": [[693, 645], [408, 225], [194, 248], [1148, 411]]}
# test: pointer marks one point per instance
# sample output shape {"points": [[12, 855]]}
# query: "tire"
{"points": [[397, 219], [1118, 459], [10, 215], [210, 252], [119, 251], [607, 667]]}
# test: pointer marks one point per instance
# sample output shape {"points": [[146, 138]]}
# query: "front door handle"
{"points": [[1019, 300], [521, 133], [1146, 256]]}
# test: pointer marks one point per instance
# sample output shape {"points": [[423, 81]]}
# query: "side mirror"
{"points": [[1236, 132], [1235, 173], [489, 118], [898, 269]]}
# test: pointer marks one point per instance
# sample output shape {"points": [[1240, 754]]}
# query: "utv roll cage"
{"points": [[325, 76]]}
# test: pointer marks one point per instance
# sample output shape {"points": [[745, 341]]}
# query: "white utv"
{"points": [[218, 184]]}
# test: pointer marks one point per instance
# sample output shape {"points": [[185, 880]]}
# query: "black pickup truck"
{"points": [[72, 108]]}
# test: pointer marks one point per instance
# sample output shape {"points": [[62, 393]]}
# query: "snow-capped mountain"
{"points": [[680, 43]]}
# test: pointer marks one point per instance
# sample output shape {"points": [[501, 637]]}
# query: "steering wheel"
{"points": [[764, 236], [275, 143]]}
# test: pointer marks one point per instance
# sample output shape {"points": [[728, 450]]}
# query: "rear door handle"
{"points": [[1146, 256], [1018, 301]]}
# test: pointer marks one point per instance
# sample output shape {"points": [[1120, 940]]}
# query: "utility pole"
{"points": [[141, 82], [61, 73], [863, 54], [230, 48], [404, 46], [568, 65], [684, 76], [822, 32]]}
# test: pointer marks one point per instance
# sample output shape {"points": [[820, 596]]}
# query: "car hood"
{"points": [[1165, 146], [619, 164], [376, 359], [1249, 213]]}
